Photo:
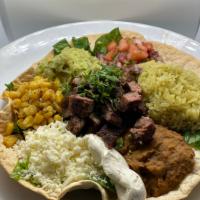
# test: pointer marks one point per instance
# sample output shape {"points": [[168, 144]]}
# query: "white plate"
{"points": [[20, 54]]}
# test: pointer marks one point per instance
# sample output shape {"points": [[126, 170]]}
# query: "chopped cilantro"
{"points": [[101, 85], [20, 169], [104, 181]]}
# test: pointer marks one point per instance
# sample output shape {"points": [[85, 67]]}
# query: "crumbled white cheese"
{"points": [[128, 184], [56, 157]]}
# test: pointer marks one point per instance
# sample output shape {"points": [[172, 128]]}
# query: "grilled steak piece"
{"points": [[130, 101], [131, 73], [80, 106], [75, 125], [132, 86], [109, 135], [95, 122], [112, 118], [143, 131]]}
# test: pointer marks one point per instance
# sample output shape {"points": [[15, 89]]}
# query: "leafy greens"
{"points": [[103, 41], [59, 46], [81, 43], [193, 139]]}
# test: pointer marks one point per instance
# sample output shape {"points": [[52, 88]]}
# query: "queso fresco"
{"points": [[122, 117]]}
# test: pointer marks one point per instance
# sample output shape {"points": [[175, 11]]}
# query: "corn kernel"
{"points": [[30, 110], [59, 96], [57, 117], [25, 97], [24, 104], [48, 94], [45, 84], [22, 89], [47, 115], [38, 118], [10, 140], [57, 107], [9, 128], [14, 94], [20, 123], [28, 122], [16, 103]]}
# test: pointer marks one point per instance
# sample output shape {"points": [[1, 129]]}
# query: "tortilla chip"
{"points": [[8, 158]]}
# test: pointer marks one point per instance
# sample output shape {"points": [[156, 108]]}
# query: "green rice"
{"points": [[172, 95]]}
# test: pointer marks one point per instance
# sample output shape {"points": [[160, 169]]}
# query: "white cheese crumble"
{"points": [[56, 157]]}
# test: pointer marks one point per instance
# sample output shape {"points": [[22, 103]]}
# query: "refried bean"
{"points": [[164, 163]]}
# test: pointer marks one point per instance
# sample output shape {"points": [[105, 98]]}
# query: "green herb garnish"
{"points": [[59, 46], [103, 41], [9, 86], [81, 43], [104, 181], [193, 139], [101, 85], [119, 143], [20, 169]]}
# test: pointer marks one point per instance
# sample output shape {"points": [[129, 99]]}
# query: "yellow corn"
{"points": [[16, 103], [47, 115], [9, 128], [28, 122], [10, 140], [59, 96], [25, 97], [38, 118], [20, 123], [57, 117], [57, 107], [30, 110], [48, 94], [14, 94], [37, 95]]}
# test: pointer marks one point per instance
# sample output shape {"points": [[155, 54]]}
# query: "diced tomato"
{"points": [[142, 47], [110, 55], [148, 45], [139, 56], [112, 46], [123, 45], [132, 48]]}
